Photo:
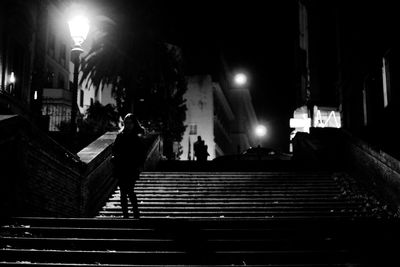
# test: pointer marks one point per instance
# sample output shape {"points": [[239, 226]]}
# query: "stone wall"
{"points": [[337, 149], [41, 178], [375, 169]]}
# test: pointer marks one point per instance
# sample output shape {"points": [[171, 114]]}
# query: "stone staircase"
{"points": [[194, 195], [298, 218]]}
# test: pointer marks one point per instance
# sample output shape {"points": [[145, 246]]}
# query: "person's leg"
{"points": [[124, 201], [134, 202], [132, 195]]}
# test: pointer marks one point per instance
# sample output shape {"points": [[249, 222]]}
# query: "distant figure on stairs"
{"points": [[200, 150], [128, 156]]}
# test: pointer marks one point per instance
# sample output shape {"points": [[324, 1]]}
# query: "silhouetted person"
{"points": [[204, 153], [196, 147], [200, 149], [128, 159]]}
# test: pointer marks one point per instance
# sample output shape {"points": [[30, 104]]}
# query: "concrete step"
{"points": [[218, 203], [213, 175], [177, 257], [268, 200], [283, 242], [281, 193], [173, 265], [238, 214]]}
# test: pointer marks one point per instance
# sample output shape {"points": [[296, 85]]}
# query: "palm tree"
{"points": [[129, 55]]}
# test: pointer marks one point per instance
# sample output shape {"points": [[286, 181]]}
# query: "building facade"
{"points": [[18, 26], [353, 65], [223, 117], [317, 98], [35, 63]]}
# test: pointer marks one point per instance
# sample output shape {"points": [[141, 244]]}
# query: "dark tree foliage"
{"points": [[99, 119], [145, 72], [163, 106]]}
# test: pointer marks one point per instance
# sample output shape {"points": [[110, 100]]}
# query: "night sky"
{"points": [[251, 35]]}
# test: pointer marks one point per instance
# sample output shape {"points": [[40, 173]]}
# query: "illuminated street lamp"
{"points": [[12, 77], [260, 131], [79, 28], [240, 79], [12, 82]]}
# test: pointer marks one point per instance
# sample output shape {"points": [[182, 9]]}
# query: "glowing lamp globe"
{"points": [[240, 79], [260, 131], [79, 29], [12, 77]]}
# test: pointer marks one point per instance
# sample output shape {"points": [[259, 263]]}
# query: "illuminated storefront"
{"points": [[322, 117]]}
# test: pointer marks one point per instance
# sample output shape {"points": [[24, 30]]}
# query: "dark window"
{"points": [[61, 82], [193, 129], [52, 44], [63, 54], [81, 98], [49, 78]]}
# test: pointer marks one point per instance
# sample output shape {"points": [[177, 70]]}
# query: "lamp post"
{"points": [[79, 28]]}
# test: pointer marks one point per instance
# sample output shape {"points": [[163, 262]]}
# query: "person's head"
{"points": [[199, 137], [131, 124]]}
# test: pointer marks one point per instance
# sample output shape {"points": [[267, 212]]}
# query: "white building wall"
{"points": [[199, 115], [105, 96]]}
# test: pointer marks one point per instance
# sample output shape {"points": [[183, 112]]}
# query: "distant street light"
{"points": [[260, 131], [79, 28], [12, 82], [240, 79], [12, 77]]}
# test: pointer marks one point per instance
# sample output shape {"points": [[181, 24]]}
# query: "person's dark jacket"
{"points": [[128, 152]]}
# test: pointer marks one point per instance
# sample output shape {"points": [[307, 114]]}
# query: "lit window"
{"points": [[192, 129], [385, 81]]}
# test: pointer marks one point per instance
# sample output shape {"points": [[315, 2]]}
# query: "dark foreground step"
{"points": [[178, 257], [175, 265], [282, 242]]}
